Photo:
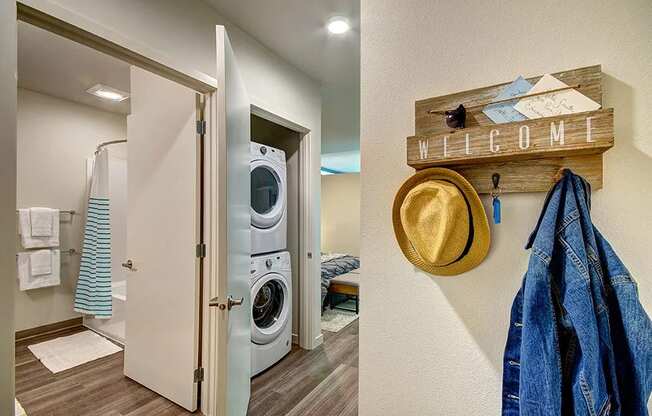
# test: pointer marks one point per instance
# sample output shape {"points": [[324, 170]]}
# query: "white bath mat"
{"points": [[67, 352], [19, 409], [333, 320]]}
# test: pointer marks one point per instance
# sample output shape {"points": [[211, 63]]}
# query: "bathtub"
{"points": [[113, 328]]}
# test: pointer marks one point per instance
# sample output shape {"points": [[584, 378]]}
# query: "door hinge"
{"points": [[201, 127], [198, 375], [201, 250]]}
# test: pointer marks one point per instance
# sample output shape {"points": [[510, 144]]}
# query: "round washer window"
{"points": [[264, 190], [268, 304]]}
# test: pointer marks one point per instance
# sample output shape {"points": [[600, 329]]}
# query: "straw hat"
{"points": [[440, 223]]}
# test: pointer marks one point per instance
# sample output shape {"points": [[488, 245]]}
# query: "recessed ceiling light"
{"points": [[107, 93], [338, 25]]}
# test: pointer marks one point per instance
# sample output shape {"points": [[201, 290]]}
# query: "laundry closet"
{"points": [[275, 208]]}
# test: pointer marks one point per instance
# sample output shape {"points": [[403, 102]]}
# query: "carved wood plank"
{"points": [[531, 175], [589, 78], [572, 134]]}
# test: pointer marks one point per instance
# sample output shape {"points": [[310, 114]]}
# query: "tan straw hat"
{"points": [[440, 223]]}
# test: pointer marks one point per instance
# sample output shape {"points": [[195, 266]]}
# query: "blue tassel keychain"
{"points": [[496, 203], [495, 194]]}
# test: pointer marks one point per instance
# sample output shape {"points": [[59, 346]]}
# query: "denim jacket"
{"points": [[579, 341]]}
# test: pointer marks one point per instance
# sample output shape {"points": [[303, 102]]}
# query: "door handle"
{"points": [[129, 265], [230, 303]]}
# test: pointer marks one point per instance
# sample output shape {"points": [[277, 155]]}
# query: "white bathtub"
{"points": [[113, 328]]}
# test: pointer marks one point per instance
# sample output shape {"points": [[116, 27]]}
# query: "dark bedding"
{"points": [[334, 267]]}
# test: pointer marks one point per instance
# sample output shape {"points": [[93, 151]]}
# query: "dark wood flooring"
{"points": [[321, 382]]}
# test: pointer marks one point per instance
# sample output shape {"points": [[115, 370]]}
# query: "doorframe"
{"points": [[310, 335], [57, 19]]}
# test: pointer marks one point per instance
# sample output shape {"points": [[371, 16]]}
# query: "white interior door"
{"points": [[229, 236], [162, 219]]}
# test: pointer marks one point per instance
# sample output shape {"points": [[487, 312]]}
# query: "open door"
{"points": [[229, 238], [162, 329]]}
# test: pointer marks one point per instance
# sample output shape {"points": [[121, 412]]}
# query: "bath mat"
{"points": [[334, 320], [67, 352], [19, 409]]}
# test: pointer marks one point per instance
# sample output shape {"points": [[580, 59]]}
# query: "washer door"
{"points": [[267, 194], [270, 307]]}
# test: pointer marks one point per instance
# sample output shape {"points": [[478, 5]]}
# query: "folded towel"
{"points": [[25, 230], [28, 281], [41, 221], [40, 262]]}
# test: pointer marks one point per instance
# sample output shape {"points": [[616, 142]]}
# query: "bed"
{"points": [[333, 265]]}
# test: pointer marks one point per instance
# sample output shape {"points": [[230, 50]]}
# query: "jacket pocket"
{"points": [[593, 410], [605, 410]]}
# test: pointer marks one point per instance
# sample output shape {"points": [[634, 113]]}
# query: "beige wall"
{"points": [[340, 213], [438, 351], [55, 138], [7, 201]]}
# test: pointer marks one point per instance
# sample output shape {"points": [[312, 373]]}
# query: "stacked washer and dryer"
{"points": [[271, 275]]}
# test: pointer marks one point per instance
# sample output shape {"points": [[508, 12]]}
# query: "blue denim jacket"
{"points": [[579, 341]]}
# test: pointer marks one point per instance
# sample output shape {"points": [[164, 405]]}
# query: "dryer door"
{"points": [[267, 194], [270, 307]]}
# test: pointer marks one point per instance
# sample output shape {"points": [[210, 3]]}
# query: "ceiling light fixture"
{"points": [[338, 25], [107, 93]]}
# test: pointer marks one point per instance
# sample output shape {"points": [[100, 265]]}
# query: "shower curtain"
{"points": [[93, 294]]}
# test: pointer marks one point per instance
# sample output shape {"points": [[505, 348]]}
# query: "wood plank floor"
{"points": [[323, 381]]}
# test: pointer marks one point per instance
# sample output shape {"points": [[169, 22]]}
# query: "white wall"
{"points": [[340, 118], [55, 138], [7, 201], [340, 213], [438, 349]]}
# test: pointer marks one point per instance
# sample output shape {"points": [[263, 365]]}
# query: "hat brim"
{"points": [[481, 236]]}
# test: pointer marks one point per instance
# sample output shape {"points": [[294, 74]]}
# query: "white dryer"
{"points": [[268, 208], [271, 308]]}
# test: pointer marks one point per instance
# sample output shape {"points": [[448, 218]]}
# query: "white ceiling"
{"points": [[62, 68], [296, 31]]}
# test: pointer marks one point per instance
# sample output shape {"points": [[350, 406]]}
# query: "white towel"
{"points": [[41, 221], [27, 281], [40, 262], [25, 230]]}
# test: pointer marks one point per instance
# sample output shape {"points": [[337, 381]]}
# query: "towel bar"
{"points": [[65, 211]]}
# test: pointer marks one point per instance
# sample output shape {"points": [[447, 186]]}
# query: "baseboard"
{"points": [[48, 329], [319, 339]]}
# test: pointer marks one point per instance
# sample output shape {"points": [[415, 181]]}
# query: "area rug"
{"points": [[334, 320], [63, 353], [19, 411]]}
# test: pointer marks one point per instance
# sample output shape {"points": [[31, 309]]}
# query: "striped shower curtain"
{"points": [[93, 294]]}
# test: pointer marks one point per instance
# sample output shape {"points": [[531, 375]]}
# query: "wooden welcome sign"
{"points": [[527, 154]]}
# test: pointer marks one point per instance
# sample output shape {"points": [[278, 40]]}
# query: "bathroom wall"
{"points": [[340, 213], [436, 347], [55, 139], [8, 201]]}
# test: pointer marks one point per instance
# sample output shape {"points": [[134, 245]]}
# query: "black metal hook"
{"points": [[495, 178]]}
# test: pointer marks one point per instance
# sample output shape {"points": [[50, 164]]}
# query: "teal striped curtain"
{"points": [[93, 294]]}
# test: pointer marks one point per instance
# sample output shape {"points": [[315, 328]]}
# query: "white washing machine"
{"points": [[271, 308], [268, 178]]}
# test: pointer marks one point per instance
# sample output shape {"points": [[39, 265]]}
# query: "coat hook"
{"points": [[495, 178], [559, 175]]}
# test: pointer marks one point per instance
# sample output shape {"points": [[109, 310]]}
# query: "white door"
{"points": [[162, 232], [229, 237]]}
